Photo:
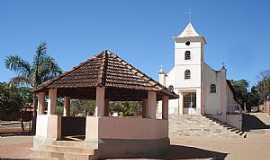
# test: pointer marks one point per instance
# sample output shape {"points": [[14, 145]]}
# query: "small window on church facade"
{"points": [[187, 74], [187, 55], [213, 88], [187, 43], [171, 88]]}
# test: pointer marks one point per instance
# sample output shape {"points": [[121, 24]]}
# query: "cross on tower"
{"points": [[189, 14]]}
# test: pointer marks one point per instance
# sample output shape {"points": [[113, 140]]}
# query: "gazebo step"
{"points": [[51, 154], [69, 149], [68, 143]]}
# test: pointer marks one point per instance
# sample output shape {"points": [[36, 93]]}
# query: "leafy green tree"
{"points": [[244, 96], [13, 101], [241, 91], [26, 94], [82, 107], [10, 100], [253, 97], [125, 108], [43, 68], [263, 85]]}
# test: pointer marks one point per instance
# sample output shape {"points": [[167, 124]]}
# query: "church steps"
{"points": [[197, 125]]}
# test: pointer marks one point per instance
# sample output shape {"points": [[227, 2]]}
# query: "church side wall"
{"points": [[232, 104], [211, 100], [230, 98]]}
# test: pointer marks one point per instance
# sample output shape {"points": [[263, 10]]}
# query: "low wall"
{"points": [[114, 137], [42, 125], [132, 128], [232, 119], [235, 120], [125, 128], [48, 126]]}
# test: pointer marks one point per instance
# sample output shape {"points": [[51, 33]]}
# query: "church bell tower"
{"points": [[188, 70], [189, 57]]}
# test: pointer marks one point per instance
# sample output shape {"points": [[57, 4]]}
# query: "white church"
{"points": [[202, 90]]}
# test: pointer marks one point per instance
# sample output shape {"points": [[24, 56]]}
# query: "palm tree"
{"points": [[42, 69]]}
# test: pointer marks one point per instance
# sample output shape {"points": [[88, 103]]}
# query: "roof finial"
{"points": [[161, 71], [189, 14], [223, 65]]}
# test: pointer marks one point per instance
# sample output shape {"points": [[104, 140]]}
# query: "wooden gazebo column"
{"points": [[100, 101], [92, 131], [66, 106], [41, 102], [151, 105], [165, 104], [54, 120], [52, 101]]}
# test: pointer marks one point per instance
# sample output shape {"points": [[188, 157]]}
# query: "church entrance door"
{"points": [[189, 102]]}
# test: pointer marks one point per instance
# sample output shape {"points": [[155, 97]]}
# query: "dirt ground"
{"points": [[255, 147], [15, 147]]}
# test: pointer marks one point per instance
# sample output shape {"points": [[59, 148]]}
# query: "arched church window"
{"points": [[213, 88], [187, 43], [187, 74], [187, 55]]}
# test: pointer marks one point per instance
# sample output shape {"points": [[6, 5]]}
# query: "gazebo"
{"points": [[103, 78]]}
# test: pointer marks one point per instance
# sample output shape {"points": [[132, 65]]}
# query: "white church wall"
{"points": [[211, 100], [232, 105], [223, 93], [230, 98], [173, 106]]}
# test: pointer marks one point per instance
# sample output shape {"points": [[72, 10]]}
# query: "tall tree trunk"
{"points": [[34, 119]]}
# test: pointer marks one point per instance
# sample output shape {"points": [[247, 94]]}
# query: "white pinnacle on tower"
{"points": [[162, 76]]}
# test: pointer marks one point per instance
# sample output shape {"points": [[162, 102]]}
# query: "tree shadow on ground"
{"points": [[251, 122], [186, 152]]}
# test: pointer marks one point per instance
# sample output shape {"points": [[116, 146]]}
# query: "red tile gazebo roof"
{"points": [[108, 70]]}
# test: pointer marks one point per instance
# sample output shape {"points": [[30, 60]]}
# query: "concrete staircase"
{"points": [[197, 125], [63, 150]]}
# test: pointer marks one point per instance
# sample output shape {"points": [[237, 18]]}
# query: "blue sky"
{"points": [[140, 31]]}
